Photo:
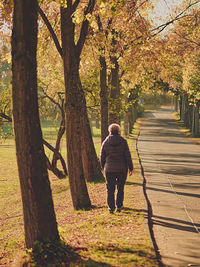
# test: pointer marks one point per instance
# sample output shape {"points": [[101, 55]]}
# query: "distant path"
{"points": [[171, 164]]}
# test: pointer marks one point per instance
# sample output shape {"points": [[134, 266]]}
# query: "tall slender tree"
{"points": [[39, 216]]}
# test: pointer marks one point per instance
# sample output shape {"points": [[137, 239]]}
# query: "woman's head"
{"points": [[114, 128]]}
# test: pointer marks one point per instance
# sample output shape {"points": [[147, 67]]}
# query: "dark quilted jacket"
{"points": [[115, 155]]}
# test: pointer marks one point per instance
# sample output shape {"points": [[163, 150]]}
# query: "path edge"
{"points": [[149, 208]]}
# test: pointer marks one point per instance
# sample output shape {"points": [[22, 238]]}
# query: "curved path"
{"points": [[171, 164]]}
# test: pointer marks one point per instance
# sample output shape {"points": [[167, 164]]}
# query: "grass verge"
{"points": [[185, 130], [97, 237]]}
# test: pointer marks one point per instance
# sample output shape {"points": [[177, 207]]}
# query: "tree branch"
{"points": [[90, 7], [99, 23], [51, 99], [6, 117], [179, 16], [82, 38], [161, 27], [84, 27], [187, 39], [75, 5], [54, 37]]}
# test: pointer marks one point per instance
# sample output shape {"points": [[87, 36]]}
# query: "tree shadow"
{"points": [[139, 211], [98, 207], [129, 255], [175, 223], [87, 263], [57, 254], [172, 192]]}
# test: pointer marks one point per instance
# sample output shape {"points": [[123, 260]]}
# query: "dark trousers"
{"points": [[113, 179]]}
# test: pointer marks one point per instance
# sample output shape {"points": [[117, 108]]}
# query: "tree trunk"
{"points": [[91, 165], [130, 118], [195, 128], [190, 116], [196, 132], [126, 125], [126, 119], [56, 155], [176, 103], [39, 216], [74, 109], [53, 166], [135, 111], [186, 111], [181, 107], [97, 122], [114, 105], [103, 98], [75, 99]]}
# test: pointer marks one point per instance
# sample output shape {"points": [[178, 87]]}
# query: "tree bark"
{"points": [[76, 103], [196, 132], [115, 104], [181, 107], [91, 165], [71, 52], [195, 125], [186, 112], [103, 98], [176, 103], [74, 108], [57, 156], [39, 216], [126, 125]]}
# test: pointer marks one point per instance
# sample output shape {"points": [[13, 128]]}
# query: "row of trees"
{"points": [[82, 159], [177, 67], [82, 46]]}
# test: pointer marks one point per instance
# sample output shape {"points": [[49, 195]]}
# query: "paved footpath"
{"points": [[171, 165]]}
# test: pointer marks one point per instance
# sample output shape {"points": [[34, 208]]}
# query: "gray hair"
{"points": [[114, 128]]}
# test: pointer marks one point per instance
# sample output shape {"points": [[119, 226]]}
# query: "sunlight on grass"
{"points": [[99, 238]]}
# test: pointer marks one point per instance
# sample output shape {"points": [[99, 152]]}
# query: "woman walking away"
{"points": [[115, 161]]}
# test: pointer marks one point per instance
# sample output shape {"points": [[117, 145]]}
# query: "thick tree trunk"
{"points": [[74, 109], [91, 165], [115, 104], [76, 103], [103, 98], [39, 217]]}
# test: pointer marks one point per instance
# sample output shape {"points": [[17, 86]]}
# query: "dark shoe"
{"points": [[119, 209], [111, 211]]}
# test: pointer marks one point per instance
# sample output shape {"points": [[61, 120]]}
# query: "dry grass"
{"points": [[100, 239]]}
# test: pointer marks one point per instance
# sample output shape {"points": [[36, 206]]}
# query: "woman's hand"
{"points": [[130, 173]]}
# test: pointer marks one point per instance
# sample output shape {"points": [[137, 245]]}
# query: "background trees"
{"points": [[180, 61]]}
